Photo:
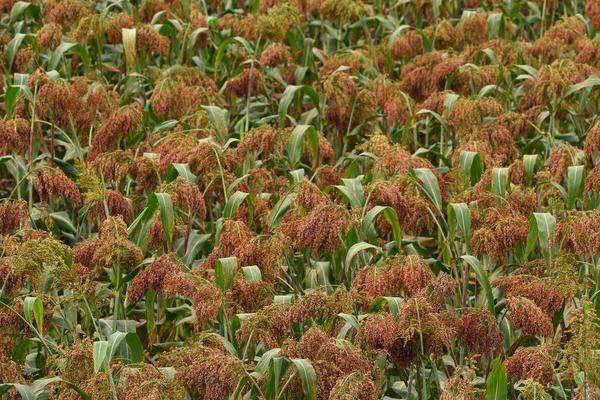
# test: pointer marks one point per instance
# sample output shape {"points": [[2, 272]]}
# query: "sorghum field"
{"points": [[300, 199]]}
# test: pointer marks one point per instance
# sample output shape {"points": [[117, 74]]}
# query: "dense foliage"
{"points": [[300, 199]]}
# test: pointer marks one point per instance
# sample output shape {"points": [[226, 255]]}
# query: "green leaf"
{"points": [[392, 218], [235, 183], [483, 279], [194, 37], [183, 170], [459, 214], [541, 228], [369, 218], [59, 52], [245, 43], [114, 342], [353, 190], [394, 304], [62, 219], [295, 145], [150, 310], [38, 387], [33, 306], [26, 392], [283, 299], [470, 164], [136, 349], [352, 320], [495, 25], [277, 368], [590, 82], [280, 208], [308, 377], [435, 5], [21, 350], [317, 275], [252, 273], [142, 218], [226, 343], [297, 175], [12, 47], [221, 53], [21, 7], [529, 165], [430, 186], [357, 248], [225, 269], [390, 215], [497, 383], [575, 183], [219, 119], [288, 97], [104, 350], [262, 365], [449, 102], [531, 71], [167, 215], [499, 181], [99, 354], [233, 204], [195, 242], [10, 98]]}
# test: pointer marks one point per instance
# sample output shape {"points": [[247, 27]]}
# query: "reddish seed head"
{"points": [[592, 180], [53, 183], [579, 233], [561, 158], [379, 331], [145, 172], [246, 84], [251, 296], [113, 166], [116, 204], [187, 197], [309, 196], [592, 141], [474, 28], [120, 124], [458, 388], [371, 282], [321, 230], [531, 363], [83, 252], [274, 54], [416, 75], [118, 22], [14, 136], [233, 236], [418, 319], [13, 215], [528, 317], [480, 331], [11, 283], [548, 299], [267, 254], [413, 273], [264, 141], [152, 277], [150, 41], [64, 12], [592, 11], [408, 45]]}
